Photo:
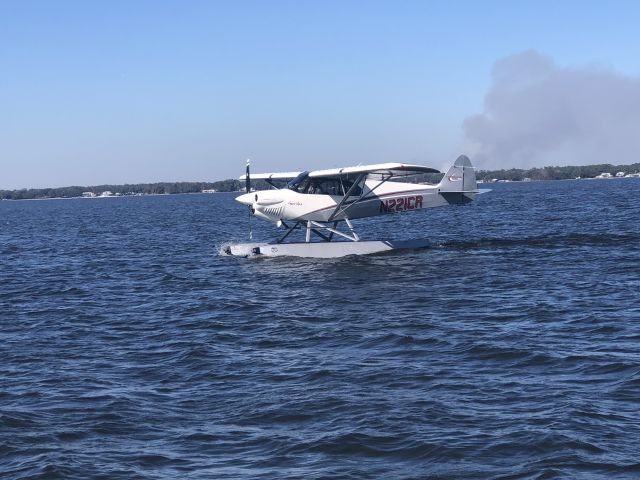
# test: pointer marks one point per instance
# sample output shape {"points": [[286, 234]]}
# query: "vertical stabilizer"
{"points": [[459, 183], [461, 177]]}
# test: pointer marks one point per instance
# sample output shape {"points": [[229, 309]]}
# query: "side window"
{"points": [[331, 187], [356, 192], [326, 186], [304, 186]]}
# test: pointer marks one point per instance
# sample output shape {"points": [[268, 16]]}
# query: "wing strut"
{"points": [[363, 196], [346, 196]]}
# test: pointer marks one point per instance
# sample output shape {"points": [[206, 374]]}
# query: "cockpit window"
{"points": [[335, 186], [300, 183]]}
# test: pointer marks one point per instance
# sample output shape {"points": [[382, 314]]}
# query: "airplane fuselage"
{"points": [[378, 199]]}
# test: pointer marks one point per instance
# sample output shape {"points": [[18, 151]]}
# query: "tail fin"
{"points": [[459, 183]]}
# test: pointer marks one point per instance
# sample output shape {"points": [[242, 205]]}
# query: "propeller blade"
{"points": [[247, 179], [247, 186]]}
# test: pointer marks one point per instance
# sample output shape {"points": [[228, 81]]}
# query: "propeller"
{"points": [[247, 179], [247, 186]]}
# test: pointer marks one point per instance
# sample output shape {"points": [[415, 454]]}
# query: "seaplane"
{"points": [[321, 204]]}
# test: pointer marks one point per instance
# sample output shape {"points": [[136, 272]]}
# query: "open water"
{"points": [[509, 349]]}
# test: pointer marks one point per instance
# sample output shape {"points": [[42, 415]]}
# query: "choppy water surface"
{"points": [[509, 349]]}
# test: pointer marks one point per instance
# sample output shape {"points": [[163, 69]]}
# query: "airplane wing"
{"points": [[383, 169], [272, 176]]}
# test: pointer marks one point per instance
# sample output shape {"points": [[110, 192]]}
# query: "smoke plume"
{"points": [[538, 114]]}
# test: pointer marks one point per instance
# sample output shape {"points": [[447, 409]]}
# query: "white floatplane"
{"points": [[316, 203]]}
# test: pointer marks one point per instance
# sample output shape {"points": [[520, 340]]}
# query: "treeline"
{"points": [[556, 173], [127, 189], [514, 174]]}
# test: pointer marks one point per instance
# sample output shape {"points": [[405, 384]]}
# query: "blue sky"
{"points": [[143, 91]]}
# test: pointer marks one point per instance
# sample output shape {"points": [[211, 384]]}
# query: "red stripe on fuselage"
{"points": [[401, 204], [380, 198]]}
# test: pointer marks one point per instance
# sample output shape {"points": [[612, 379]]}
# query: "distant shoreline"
{"points": [[101, 197], [601, 171], [482, 182], [126, 190]]}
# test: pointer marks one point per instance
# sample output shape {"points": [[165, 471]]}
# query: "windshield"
{"points": [[298, 182]]}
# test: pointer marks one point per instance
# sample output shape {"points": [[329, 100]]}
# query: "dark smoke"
{"points": [[538, 114]]}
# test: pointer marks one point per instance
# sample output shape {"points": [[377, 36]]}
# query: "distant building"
{"points": [[620, 174], [604, 175], [106, 193], [88, 194], [209, 190]]}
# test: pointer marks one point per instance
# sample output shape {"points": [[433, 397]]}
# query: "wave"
{"points": [[545, 241]]}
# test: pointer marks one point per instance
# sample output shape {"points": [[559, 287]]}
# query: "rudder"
{"points": [[459, 183], [461, 177]]}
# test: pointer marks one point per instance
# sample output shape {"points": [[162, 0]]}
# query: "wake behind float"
{"points": [[318, 203]]}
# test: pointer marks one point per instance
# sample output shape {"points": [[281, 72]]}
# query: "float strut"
{"points": [[308, 236]]}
